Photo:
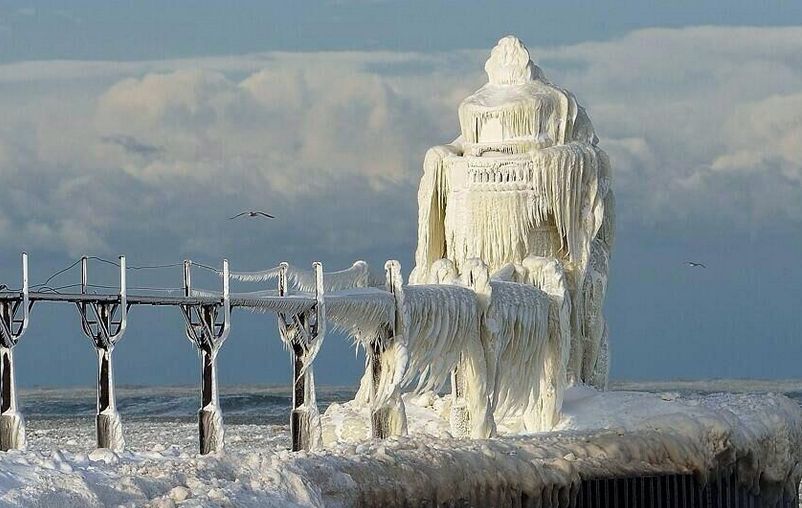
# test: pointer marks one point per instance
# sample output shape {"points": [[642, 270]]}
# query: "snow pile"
{"points": [[161, 475]]}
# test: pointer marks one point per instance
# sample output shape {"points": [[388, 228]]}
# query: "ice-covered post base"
{"points": [[459, 419], [388, 417], [379, 417], [108, 425], [210, 418], [304, 424], [12, 425]]}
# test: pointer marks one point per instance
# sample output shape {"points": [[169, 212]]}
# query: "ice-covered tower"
{"points": [[524, 178]]}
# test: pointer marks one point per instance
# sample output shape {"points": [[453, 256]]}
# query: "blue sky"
{"points": [[137, 127]]}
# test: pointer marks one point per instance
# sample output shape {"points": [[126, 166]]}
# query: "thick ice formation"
{"points": [[357, 275], [108, 419], [525, 189], [600, 435], [515, 325], [12, 422]]}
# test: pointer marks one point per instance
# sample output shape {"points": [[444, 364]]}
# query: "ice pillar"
{"points": [[108, 426], [12, 424], [387, 362], [12, 328], [210, 418]]}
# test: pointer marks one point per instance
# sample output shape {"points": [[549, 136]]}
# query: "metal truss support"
{"points": [[104, 323], [303, 333], [14, 316], [387, 412], [207, 327]]}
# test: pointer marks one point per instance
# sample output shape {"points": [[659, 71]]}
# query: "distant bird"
{"points": [[252, 213], [695, 265]]}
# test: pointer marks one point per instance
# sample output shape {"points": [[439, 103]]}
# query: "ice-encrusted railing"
{"points": [[457, 329], [417, 337]]}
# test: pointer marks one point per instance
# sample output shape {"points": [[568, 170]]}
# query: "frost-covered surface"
{"points": [[357, 275], [600, 434], [526, 178]]}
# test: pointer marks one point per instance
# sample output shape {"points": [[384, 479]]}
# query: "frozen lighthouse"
{"points": [[526, 190], [515, 230]]}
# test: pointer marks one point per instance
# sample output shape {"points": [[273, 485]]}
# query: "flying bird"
{"points": [[252, 213], [695, 265]]}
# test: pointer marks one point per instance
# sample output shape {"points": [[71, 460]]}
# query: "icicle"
{"points": [[432, 195], [358, 275], [264, 301], [260, 276], [548, 275], [515, 332]]}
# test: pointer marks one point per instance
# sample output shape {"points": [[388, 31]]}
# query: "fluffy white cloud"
{"points": [[103, 155], [679, 108]]}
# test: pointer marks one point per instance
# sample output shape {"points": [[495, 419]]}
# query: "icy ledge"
{"points": [[643, 433], [601, 435]]}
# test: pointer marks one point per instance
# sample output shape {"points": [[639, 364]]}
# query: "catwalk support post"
{"points": [[14, 316], [387, 412], [104, 323], [207, 327], [303, 334]]}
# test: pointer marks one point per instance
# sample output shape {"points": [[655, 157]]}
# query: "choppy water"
{"points": [[155, 418], [240, 404], [271, 405], [255, 416]]}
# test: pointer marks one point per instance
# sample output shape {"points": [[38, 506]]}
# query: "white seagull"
{"points": [[695, 265], [252, 213]]}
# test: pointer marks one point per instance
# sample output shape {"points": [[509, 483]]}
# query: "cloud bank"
{"points": [[701, 124]]}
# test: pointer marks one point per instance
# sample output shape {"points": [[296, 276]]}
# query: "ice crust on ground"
{"points": [[600, 433]]}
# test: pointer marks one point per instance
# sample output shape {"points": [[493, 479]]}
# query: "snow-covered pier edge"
{"points": [[511, 474], [718, 450]]}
